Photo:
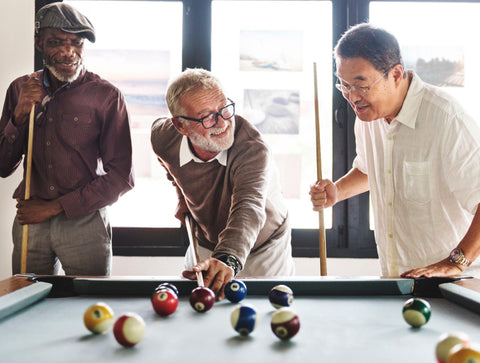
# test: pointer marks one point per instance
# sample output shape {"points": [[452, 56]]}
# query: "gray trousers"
{"points": [[81, 245]]}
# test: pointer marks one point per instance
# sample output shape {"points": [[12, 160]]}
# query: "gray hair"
{"points": [[189, 80]]}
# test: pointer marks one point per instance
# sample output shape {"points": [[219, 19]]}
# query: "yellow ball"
{"points": [[462, 353], [98, 318]]}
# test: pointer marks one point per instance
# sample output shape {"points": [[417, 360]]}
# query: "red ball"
{"points": [[164, 302], [129, 329], [202, 299]]}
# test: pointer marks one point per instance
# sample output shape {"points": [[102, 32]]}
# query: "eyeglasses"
{"points": [[347, 90], [211, 120]]}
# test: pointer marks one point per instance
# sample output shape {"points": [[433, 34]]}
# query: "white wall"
{"points": [[16, 58]]}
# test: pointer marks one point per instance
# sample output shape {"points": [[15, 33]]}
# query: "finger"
{"points": [[189, 275]]}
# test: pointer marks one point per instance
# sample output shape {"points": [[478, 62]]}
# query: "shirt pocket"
{"points": [[417, 181], [78, 129]]}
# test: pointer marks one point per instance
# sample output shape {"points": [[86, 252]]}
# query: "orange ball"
{"points": [[461, 353], [446, 342]]}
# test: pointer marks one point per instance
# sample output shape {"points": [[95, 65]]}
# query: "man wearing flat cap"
{"points": [[81, 155]]}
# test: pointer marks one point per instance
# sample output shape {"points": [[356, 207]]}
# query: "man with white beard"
{"points": [[225, 179], [81, 156]]}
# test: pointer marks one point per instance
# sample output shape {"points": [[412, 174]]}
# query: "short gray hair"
{"points": [[189, 80]]}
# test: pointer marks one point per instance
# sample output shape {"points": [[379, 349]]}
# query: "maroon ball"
{"points": [[202, 299], [285, 323], [164, 302]]}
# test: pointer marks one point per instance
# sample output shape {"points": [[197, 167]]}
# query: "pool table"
{"points": [[342, 320]]}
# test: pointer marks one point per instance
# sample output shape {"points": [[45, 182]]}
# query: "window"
{"points": [[263, 51]]}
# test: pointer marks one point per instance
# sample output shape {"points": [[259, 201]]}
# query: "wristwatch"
{"points": [[457, 257], [230, 261]]}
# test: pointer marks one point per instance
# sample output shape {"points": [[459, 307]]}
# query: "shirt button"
{"points": [[390, 235], [50, 166], [52, 187], [389, 171], [48, 143], [50, 119], [389, 138], [389, 204], [75, 119]]}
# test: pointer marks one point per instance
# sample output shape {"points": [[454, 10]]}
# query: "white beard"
{"points": [[61, 77]]}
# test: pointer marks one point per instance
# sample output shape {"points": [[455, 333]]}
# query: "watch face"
{"points": [[456, 254]]}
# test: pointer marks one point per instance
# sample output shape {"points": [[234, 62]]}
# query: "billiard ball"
{"points": [[416, 312], [167, 285], [98, 318], [244, 319], [464, 353], [129, 329], [280, 296], [164, 302], [446, 342], [285, 323], [235, 291], [202, 299]]}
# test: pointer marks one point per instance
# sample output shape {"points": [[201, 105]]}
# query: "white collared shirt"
{"points": [[186, 155], [424, 177]]}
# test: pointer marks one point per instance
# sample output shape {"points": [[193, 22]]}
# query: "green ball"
{"points": [[416, 312]]}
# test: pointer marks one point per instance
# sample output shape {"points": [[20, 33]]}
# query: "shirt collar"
{"points": [[186, 155], [411, 104]]}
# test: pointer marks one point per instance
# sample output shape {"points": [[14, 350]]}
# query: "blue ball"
{"points": [[244, 319], [235, 291], [281, 296]]}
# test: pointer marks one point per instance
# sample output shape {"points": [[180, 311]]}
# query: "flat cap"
{"points": [[64, 17]]}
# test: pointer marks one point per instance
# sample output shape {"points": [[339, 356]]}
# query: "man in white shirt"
{"points": [[418, 153]]}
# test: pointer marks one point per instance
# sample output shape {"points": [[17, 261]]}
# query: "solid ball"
{"points": [[446, 342], [235, 291], [202, 299], [167, 285], [461, 353], [280, 296], [164, 302], [285, 323], [129, 329], [244, 319], [416, 312], [98, 318]]}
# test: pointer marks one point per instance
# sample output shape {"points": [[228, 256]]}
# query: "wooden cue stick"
{"points": [[321, 230], [28, 177], [193, 249]]}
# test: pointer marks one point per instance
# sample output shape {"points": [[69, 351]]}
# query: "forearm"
{"points": [[353, 183], [470, 244]]}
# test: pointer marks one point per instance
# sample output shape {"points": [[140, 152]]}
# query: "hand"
{"points": [[323, 194], [216, 276], [180, 211], [35, 211], [30, 93], [444, 268]]}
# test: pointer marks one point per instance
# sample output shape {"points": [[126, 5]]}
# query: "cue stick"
{"points": [[28, 177], [193, 249], [321, 230]]}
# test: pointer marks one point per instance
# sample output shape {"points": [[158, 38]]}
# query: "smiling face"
{"points": [[62, 53], [207, 143], [381, 99]]}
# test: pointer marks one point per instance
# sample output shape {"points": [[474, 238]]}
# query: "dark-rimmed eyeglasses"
{"points": [[211, 120], [347, 90]]}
